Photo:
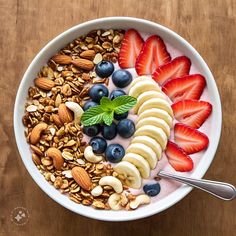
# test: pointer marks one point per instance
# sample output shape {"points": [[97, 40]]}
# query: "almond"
{"points": [[36, 132], [88, 54], [82, 178], [56, 156], [56, 120], [83, 64], [44, 83], [36, 159], [62, 59], [36, 150], [65, 114]]}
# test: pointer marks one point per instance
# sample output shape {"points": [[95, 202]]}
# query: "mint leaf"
{"points": [[105, 111], [108, 117], [106, 104], [94, 115], [123, 104]]}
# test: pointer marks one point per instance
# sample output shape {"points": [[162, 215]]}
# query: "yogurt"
{"points": [[167, 186]]}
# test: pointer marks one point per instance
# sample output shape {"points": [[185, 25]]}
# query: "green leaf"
{"points": [[123, 104], [106, 104], [92, 116], [105, 111], [108, 117]]}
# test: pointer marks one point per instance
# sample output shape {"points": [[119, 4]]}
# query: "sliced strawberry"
{"points": [[192, 112], [152, 55], [178, 67], [186, 87], [177, 158], [189, 139], [130, 48]]}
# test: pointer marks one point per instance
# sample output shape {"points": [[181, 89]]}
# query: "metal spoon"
{"points": [[221, 190]]}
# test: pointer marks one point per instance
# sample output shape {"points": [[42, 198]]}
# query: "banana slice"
{"points": [[142, 87], [128, 174], [144, 151], [150, 142], [156, 103], [146, 96], [139, 162], [154, 132], [155, 112], [156, 122], [141, 78]]}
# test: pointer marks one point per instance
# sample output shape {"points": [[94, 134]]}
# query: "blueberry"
{"points": [[121, 78], [117, 93], [104, 69], [89, 104], [97, 92], [92, 130], [109, 132], [152, 189], [126, 128], [114, 153], [98, 144], [121, 116]]}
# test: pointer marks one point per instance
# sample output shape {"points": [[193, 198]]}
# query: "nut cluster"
{"points": [[52, 120]]}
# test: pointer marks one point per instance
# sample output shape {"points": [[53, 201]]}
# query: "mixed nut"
{"points": [[52, 120]]}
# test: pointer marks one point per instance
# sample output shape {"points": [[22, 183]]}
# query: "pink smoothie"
{"points": [[167, 186]]}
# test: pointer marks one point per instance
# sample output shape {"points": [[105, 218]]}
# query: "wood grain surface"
{"points": [[27, 25]]}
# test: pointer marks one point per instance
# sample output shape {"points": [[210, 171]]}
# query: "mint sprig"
{"points": [[105, 111]]}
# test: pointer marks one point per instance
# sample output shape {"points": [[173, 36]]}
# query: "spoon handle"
{"points": [[221, 190]]}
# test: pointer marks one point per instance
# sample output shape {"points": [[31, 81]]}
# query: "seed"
{"points": [[97, 58], [67, 156], [31, 108]]}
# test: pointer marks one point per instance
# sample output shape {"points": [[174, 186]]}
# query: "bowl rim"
{"points": [[174, 197]]}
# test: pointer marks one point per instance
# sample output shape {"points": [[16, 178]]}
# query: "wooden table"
{"points": [[27, 25]]}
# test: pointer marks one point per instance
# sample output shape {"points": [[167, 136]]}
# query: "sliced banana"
{"points": [[141, 78], [144, 151], [155, 112], [139, 162], [129, 174], [156, 122], [156, 103], [142, 87], [152, 143], [146, 96], [154, 132]]}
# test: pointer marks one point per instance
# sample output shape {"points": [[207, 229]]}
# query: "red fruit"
{"points": [[189, 139], [152, 55], [130, 49], [177, 158], [192, 112], [186, 87], [178, 67]]}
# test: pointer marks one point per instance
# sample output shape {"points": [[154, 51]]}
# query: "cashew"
{"points": [[117, 201], [90, 156], [113, 182], [140, 200], [97, 191], [36, 132], [56, 156], [77, 109]]}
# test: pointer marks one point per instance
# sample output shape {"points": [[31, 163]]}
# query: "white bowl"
{"points": [[54, 46]]}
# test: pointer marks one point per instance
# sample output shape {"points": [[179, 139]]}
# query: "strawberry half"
{"points": [[177, 158], [189, 139], [130, 48], [178, 67], [192, 112], [186, 87], [152, 55]]}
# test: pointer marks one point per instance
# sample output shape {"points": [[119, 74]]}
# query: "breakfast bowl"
{"points": [[53, 174]]}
